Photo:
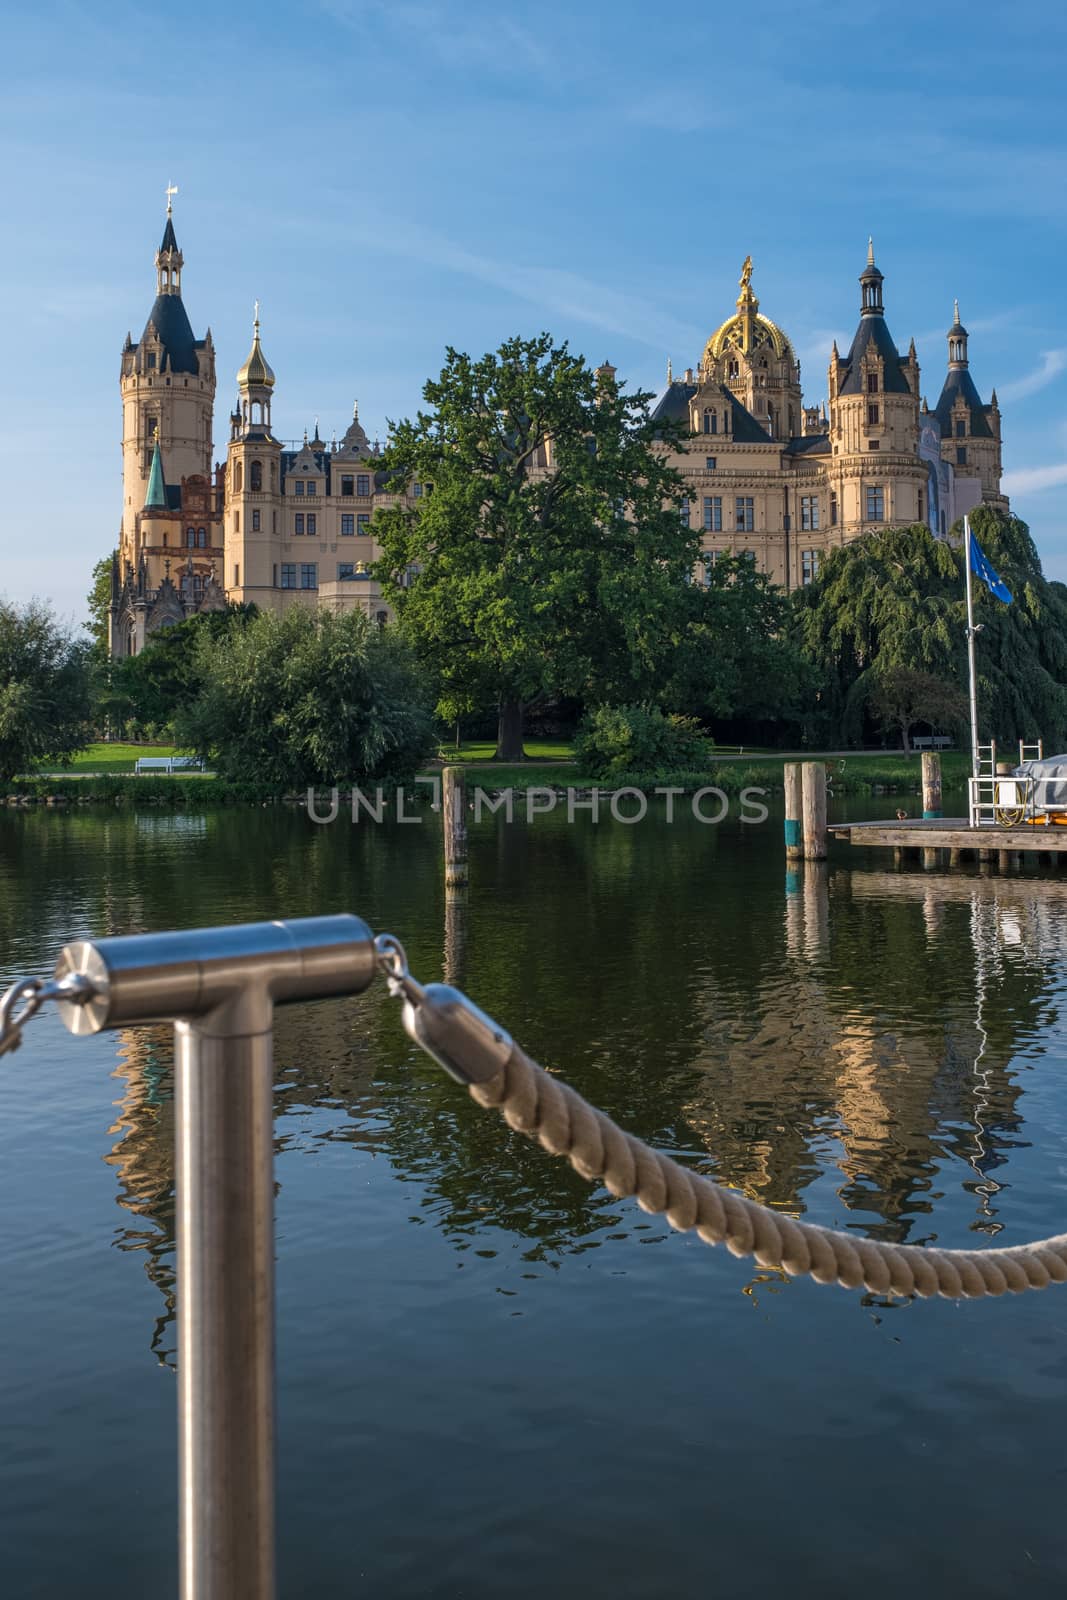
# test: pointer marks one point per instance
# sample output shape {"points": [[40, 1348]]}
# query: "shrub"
{"points": [[613, 740], [308, 698]]}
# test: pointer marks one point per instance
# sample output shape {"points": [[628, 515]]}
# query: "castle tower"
{"points": [[750, 360], [970, 430], [877, 478], [253, 520], [167, 383]]}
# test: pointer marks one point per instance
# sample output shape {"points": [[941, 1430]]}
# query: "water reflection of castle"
{"points": [[842, 1064], [143, 1159], [890, 1087]]}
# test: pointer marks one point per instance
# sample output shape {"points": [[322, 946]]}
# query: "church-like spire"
{"points": [[156, 495], [957, 339], [255, 382], [169, 260], [256, 372], [871, 286]]}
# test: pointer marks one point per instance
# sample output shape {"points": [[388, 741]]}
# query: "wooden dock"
{"points": [[954, 835]]}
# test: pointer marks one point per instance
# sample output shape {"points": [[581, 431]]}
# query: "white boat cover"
{"points": [[1050, 782]]}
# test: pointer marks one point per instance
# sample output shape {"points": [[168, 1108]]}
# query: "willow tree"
{"points": [[896, 600], [546, 554], [44, 689]]}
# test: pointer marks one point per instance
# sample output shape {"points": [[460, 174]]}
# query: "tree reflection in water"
{"points": [[853, 1048]]}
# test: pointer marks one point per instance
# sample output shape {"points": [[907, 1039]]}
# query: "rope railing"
{"points": [[501, 1077], [220, 986]]}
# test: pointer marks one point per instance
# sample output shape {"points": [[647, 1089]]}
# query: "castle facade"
{"points": [[766, 474], [786, 482]]}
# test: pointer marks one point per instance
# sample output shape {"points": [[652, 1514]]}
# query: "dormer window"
{"points": [[152, 362], [298, 486], [711, 421], [961, 428], [872, 383], [733, 370]]}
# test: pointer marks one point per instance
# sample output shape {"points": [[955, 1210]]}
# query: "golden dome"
{"points": [[256, 371], [761, 331], [747, 329]]}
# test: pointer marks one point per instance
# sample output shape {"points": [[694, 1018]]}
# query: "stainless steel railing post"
{"points": [[220, 987], [225, 1213]]}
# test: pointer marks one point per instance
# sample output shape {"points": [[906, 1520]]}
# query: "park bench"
{"points": [[937, 741], [145, 764]]}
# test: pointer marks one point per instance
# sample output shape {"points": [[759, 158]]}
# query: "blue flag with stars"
{"points": [[988, 574]]}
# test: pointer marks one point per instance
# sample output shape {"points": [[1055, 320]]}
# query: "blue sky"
{"points": [[391, 176]]}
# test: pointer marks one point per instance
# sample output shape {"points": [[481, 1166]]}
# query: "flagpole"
{"points": [[970, 646]]}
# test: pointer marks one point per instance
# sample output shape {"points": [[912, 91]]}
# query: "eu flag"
{"points": [[989, 576]]}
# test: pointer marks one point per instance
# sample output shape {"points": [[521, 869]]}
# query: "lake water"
{"points": [[494, 1380]]}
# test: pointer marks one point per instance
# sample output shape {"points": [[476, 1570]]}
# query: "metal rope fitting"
{"points": [[459, 1036]]}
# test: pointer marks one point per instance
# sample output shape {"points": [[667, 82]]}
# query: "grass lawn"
{"points": [[484, 750], [546, 750], [115, 757], [855, 772]]}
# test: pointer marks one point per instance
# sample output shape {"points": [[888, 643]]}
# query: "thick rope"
{"points": [[535, 1103]]}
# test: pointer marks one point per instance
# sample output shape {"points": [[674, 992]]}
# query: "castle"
{"points": [[779, 480], [784, 481]]}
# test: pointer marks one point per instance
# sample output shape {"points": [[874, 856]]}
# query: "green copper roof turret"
{"points": [[156, 498]]}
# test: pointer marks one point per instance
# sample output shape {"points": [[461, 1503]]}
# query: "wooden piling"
{"points": [[454, 823], [813, 805], [1004, 860], [794, 847], [954, 858], [931, 763]]}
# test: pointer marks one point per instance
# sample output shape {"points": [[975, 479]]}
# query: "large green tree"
{"points": [[896, 599], [308, 698], [152, 688], [98, 602], [736, 661], [546, 555], [44, 689]]}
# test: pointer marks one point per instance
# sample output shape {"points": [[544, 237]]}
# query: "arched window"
{"points": [[238, 477], [734, 369], [190, 538], [201, 538], [255, 476], [711, 421]]}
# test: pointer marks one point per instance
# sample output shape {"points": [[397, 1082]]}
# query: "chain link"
{"points": [[25, 998]]}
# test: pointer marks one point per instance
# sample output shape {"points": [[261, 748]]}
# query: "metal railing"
{"points": [[219, 987]]}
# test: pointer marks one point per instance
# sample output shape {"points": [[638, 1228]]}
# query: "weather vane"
{"points": [[172, 190]]}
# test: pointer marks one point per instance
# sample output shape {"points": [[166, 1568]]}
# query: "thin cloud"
{"points": [[1032, 480], [455, 37], [554, 290], [1052, 364]]}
